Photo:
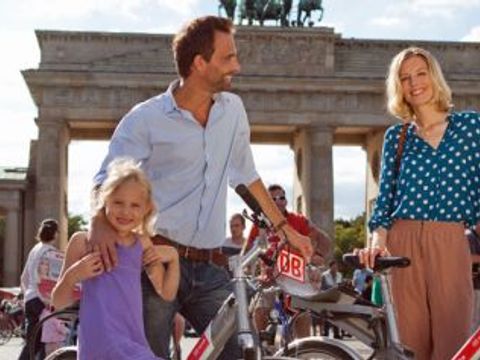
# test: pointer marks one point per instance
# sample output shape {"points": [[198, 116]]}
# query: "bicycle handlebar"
{"points": [[248, 198], [381, 262]]}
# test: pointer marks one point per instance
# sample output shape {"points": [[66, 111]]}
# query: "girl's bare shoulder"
{"points": [[78, 243]]}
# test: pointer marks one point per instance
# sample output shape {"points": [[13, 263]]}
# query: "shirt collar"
{"points": [[170, 105]]}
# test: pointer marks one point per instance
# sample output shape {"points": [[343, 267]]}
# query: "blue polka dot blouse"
{"points": [[440, 184]]}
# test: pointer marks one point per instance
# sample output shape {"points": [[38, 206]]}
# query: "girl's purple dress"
{"points": [[111, 320]]}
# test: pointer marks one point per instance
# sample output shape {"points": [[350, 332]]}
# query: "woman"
{"points": [[34, 305], [428, 194]]}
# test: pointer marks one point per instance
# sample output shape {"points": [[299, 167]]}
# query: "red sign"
{"points": [[291, 265], [471, 350]]}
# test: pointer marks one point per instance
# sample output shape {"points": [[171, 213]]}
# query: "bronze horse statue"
{"points": [[262, 10], [308, 6], [229, 6]]}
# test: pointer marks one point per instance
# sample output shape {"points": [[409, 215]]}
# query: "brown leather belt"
{"points": [[215, 256]]}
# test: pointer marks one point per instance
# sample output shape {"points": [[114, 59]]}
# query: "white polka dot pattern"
{"points": [[440, 184]]}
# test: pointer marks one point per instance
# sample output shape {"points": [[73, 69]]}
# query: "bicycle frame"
{"points": [[233, 315], [376, 327]]}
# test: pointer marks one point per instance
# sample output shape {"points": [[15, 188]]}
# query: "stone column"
{"points": [[51, 174], [11, 249], [313, 183]]}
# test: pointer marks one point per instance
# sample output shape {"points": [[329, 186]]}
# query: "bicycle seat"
{"points": [[381, 262]]}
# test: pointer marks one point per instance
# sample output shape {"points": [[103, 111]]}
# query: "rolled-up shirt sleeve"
{"points": [[381, 216], [130, 139], [475, 131], [242, 167]]}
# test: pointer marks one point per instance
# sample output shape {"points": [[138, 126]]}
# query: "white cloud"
{"points": [[445, 3], [387, 21], [183, 7], [59, 9], [473, 35], [443, 8]]}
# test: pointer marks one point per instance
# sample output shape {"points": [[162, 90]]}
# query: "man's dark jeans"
{"points": [[203, 289], [33, 309]]}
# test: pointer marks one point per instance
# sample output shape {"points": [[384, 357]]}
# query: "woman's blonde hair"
{"points": [[120, 171], [397, 106]]}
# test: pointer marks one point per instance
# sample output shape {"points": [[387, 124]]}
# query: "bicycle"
{"points": [[11, 320], [374, 326], [69, 350]]}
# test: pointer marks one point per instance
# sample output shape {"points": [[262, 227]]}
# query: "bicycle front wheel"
{"points": [[64, 353], [316, 349]]}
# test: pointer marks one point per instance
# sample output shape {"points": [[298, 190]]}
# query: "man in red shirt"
{"points": [[321, 243]]}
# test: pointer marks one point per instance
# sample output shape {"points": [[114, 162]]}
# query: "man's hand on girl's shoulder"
{"points": [[103, 237]]}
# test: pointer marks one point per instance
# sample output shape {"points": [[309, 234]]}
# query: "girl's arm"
{"points": [[162, 267], [77, 266]]}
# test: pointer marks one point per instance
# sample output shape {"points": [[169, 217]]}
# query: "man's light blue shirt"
{"points": [[187, 164]]}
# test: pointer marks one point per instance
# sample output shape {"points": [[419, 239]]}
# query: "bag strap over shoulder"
{"points": [[401, 144]]}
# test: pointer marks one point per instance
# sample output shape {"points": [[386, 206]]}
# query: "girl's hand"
{"points": [[87, 267], [159, 253]]}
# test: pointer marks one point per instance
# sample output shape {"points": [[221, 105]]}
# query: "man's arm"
{"points": [[130, 139], [301, 242]]}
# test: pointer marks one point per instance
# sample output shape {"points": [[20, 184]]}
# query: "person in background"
{"points": [[367, 289], [305, 227], [46, 235], [111, 323], [331, 278], [359, 277], [54, 332], [233, 244], [427, 196]]}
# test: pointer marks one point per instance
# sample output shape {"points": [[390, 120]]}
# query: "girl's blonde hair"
{"points": [[397, 106], [120, 171]]}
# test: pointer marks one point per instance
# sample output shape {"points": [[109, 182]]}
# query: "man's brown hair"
{"points": [[197, 38]]}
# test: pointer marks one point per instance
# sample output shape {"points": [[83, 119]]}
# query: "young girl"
{"points": [[111, 321]]}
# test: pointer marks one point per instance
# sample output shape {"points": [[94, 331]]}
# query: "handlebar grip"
{"points": [[381, 262], [248, 198]]}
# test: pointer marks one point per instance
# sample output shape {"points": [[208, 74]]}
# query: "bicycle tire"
{"points": [[64, 353], [317, 350]]}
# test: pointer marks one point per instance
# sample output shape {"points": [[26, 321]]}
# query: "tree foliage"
{"points": [[76, 223], [349, 234]]}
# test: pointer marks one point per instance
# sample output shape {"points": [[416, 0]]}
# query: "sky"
{"points": [[439, 20]]}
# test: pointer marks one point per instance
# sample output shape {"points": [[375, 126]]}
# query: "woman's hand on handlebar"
{"points": [[378, 247]]}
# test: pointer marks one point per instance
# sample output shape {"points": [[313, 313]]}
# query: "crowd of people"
{"points": [[156, 247]]}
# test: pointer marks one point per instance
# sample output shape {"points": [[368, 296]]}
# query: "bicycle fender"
{"points": [[322, 340]]}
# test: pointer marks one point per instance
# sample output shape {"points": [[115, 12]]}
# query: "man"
{"points": [[330, 278], [190, 140], [233, 244], [305, 227], [359, 279]]}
